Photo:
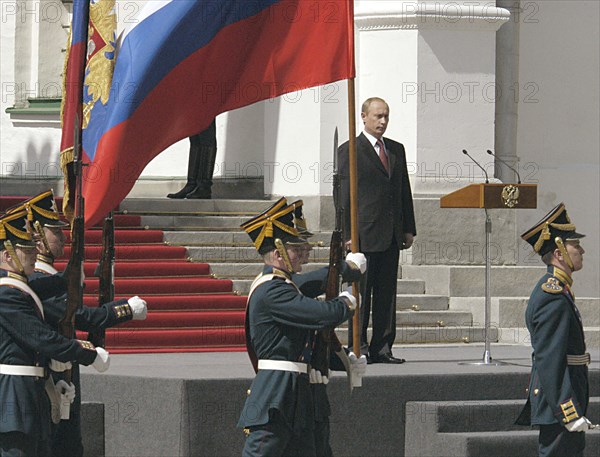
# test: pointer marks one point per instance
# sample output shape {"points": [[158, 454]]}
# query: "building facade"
{"points": [[516, 77]]}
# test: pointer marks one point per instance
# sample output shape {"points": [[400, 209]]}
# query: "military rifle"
{"points": [[74, 271], [326, 340], [105, 271], [336, 247]]}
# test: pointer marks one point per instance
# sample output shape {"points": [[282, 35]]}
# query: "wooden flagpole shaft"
{"points": [[353, 207]]}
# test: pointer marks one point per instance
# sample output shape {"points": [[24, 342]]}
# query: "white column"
{"points": [[434, 63]]}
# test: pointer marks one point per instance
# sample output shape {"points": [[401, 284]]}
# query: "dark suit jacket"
{"points": [[385, 206]]}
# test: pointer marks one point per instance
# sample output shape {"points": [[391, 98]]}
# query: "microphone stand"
{"points": [[487, 355]]}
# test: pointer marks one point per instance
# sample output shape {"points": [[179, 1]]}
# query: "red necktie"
{"points": [[383, 156]]}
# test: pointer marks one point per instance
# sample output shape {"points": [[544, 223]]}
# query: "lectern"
{"points": [[491, 196]]}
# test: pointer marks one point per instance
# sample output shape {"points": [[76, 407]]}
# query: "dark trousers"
{"points": [[276, 439], [557, 441], [379, 297], [17, 444], [322, 413], [66, 435], [322, 432]]}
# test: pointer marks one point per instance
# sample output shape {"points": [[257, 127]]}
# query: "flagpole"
{"points": [[72, 102], [353, 207]]}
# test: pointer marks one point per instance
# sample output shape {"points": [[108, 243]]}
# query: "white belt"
{"points": [[283, 365], [580, 359], [22, 370]]}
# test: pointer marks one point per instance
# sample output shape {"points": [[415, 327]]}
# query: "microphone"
{"points": [[505, 163], [487, 179]]}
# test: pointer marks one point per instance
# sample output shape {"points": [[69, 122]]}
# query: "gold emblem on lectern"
{"points": [[510, 195]]}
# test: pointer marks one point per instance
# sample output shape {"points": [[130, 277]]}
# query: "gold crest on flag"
{"points": [[102, 36]]}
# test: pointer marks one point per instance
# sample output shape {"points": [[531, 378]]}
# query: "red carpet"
{"points": [[188, 309], [207, 302], [128, 269], [168, 286], [135, 252]]}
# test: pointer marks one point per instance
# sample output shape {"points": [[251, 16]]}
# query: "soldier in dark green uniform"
{"points": [[328, 353], [28, 347], [47, 229], [558, 388], [278, 414]]}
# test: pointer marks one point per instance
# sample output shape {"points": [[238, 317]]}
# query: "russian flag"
{"points": [[184, 62]]}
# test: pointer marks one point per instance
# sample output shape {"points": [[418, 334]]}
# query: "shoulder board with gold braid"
{"points": [[552, 286]]}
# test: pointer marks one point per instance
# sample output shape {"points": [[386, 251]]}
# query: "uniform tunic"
{"points": [[66, 439], [25, 339], [278, 412], [558, 391]]}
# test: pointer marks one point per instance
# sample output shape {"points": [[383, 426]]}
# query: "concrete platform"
{"points": [[189, 404]]}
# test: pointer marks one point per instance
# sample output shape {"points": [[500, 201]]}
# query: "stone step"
{"points": [[193, 222], [414, 302], [503, 444], [167, 205], [434, 318], [246, 272], [233, 238], [508, 314], [430, 334], [497, 415], [512, 311], [224, 187], [520, 335], [241, 254], [249, 270], [475, 428], [469, 281], [405, 286], [421, 302]]}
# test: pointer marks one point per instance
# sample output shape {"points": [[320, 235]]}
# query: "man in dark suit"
{"points": [[558, 387], [386, 223]]}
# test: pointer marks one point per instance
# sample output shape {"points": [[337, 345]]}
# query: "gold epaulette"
{"points": [[552, 286]]}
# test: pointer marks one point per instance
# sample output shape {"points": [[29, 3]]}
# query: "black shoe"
{"points": [[386, 358], [189, 187], [200, 192]]}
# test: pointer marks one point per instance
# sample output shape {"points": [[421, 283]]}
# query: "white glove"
{"points": [[139, 308], [66, 390], [358, 368], [347, 295], [316, 377], [580, 425], [102, 362], [59, 367], [358, 259]]}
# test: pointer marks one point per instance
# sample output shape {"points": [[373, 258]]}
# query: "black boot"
{"points": [[192, 173], [207, 142]]}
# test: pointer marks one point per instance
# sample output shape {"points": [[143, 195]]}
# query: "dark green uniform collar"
{"points": [[270, 269], [14, 275], [560, 274]]}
